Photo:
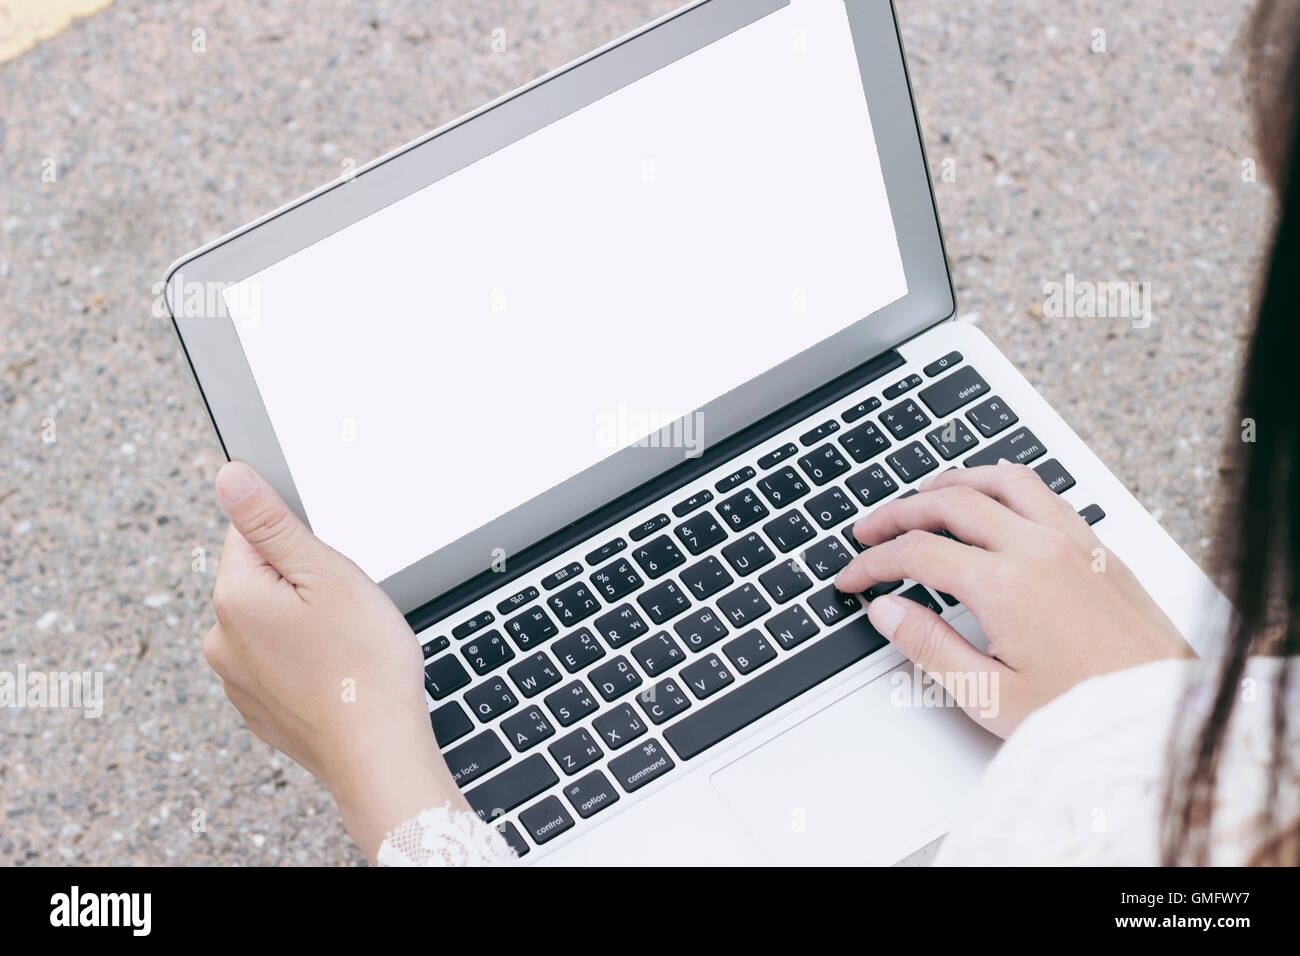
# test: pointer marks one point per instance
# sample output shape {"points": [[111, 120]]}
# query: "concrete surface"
{"points": [[1116, 165]]}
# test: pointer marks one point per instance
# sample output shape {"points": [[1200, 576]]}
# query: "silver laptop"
{"points": [[595, 382]]}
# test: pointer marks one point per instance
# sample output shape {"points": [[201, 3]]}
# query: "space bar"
{"points": [[769, 690]]}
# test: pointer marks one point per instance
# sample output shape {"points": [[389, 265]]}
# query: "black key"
{"points": [[734, 480], [614, 678], [546, 820], [912, 462], [741, 510], [904, 419], [476, 757], [860, 409], [705, 578], [707, 676], [473, 625], [743, 605], [443, 676], [789, 531], [777, 455], [948, 599], [919, 594], [621, 625], [663, 701], [663, 602], [785, 582], [575, 603], [693, 503], [891, 392], [511, 787], [1055, 476], [864, 441], [606, 551], [871, 484], [939, 366], [531, 628], [992, 416], [820, 432], [591, 794], [700, 629], [1019, 447], [826, 557], [783, 487], [616, 579], [831, 507], [766, 691], [1092, 514], [824, 463], [571, 702], [750, 651], [490, 699], [748, 554], [649, 527], [487, 652], [658, 557], [575, 751], [580, 648], [791, 627], [641, 765], [534, 674], [953, 391], [555, 579], [658, 653], [832, 605], [510, 833], [450, 723], [516, 601], [527, 729], [619, 726], [700, 533], [882, 587], [951, 439], [435, 646], [854, 543]]}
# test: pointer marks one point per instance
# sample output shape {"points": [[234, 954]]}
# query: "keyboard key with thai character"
{"points": [[991, 416], [614, 678], [443, 676], [619, 726], [475, 757], [487, 652], [663, 602], [912, 462], [591, 794], [783, 487], [546, 820], [575, 751], [831, 507], [616, 579], [705, 578], [824, 463], [1019, 446], [657, 653], [707, 676], [871, 484], [785, 582], [621, 625], [791, 627], [951, 439], [534, 674], [531, 628], [864, 441], [663, 701], [746, 555], [575, 603], [700, 628], [579, 649], [953, 391], [743, 605], [789, 530], [826, 557], [741, 510], [527, 729], [749, 651], [641, 765], [571, 702], [832, 605], [904, 419], [700, 532], [490, 699], [658, 557], [511, 787]]}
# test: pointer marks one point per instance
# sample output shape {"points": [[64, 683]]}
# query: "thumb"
{"points": [[263, 520], [928, 640]]}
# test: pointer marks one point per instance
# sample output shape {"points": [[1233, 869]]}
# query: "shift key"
{"points": [[1020, 447], [512, 787]]}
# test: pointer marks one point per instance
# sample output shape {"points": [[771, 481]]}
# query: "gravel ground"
{"points": [[1117, 165]]}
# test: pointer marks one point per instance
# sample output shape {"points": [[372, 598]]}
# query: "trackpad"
{"points": [[865, 781]]}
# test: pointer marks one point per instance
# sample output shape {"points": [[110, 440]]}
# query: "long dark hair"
{"points": [[1258, 545]]}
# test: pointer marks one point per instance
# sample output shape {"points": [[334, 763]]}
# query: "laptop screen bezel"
{"points": [[211, 343]]}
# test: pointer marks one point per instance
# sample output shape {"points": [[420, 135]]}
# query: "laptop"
{"points": [[595, 382]]}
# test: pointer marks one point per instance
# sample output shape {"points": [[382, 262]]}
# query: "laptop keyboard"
{"points": [[601, 677]]}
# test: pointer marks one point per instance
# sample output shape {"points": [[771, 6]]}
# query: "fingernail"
{"points": [[926, 482], [885, 613], [1003, 461], [235, 482]]}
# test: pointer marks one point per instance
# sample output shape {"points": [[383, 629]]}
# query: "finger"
{"points": [[929, 641], [1021, 489], [265, 522], [973, 517], [929, 558]]}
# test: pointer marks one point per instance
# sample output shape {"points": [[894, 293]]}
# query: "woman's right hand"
{"points": [[1055, 605]]}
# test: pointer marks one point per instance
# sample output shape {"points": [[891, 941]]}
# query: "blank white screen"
{"points": [[457, 353]]}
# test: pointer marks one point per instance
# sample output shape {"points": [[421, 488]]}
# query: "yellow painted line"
{"points": [[24, 23]]}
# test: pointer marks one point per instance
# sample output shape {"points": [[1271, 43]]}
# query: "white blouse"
{"points": [[1080, 782]]}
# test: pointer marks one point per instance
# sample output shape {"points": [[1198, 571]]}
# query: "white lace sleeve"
{"points": [[442, 836]]}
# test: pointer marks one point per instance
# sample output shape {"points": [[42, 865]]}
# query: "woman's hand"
{"points": [[1055, 605], [321, 665]]}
